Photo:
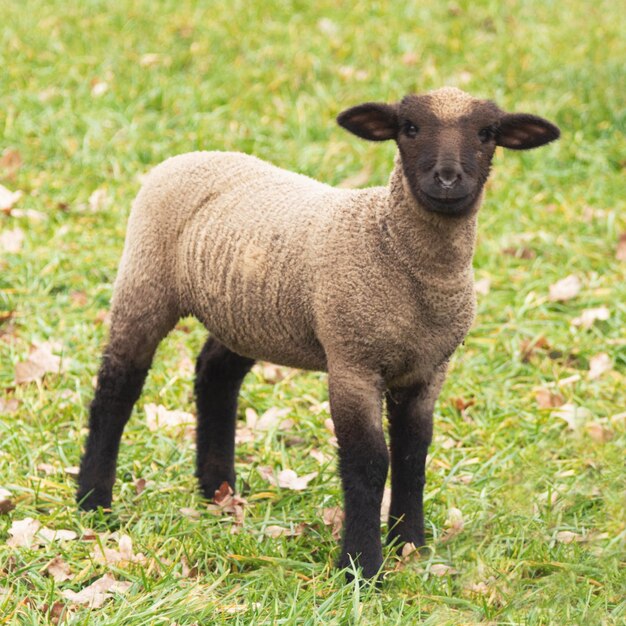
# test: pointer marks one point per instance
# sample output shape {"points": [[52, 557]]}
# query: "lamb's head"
{"points": [[446, 139]]}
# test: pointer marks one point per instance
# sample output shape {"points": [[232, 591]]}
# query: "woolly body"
{"points": [[283, 268]]}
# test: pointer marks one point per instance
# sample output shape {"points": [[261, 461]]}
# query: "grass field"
{"points": [[525, 493]]}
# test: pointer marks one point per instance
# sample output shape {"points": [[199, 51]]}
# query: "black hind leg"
{"points": [[219, 373]]}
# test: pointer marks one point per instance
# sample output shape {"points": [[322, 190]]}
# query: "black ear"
{"points": [[522, 131], [373, 121]]}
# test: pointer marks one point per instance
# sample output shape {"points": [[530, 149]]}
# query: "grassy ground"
{"points": [[95, 93]]}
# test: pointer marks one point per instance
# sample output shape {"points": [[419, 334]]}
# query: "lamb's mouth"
{"points": [[450, 206]]}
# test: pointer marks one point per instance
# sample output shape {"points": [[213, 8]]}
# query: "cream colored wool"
{"points": [[283, 268]]}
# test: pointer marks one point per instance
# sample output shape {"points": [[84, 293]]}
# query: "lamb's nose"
{"points": [[448, 176]]}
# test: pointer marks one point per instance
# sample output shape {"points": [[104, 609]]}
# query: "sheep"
{"points": [[373, 286]]}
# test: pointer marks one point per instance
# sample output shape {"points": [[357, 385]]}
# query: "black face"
{"points": [[446, 141], [446, 157]]}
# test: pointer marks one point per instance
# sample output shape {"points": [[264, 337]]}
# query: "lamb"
{"points": [[373, 286]]}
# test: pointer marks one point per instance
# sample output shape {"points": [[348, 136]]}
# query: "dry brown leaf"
{"points": [[410, 58], [140, 485], [598, 365], [99, 88], [330, 427], [46, 468], [460, 404], [547, 399], [229, 502], [124, 555], [97, 200], [288, 479], [268, 421], [589, 316], [333, 516], [566, 536], [58, 569], [575, 416], [10, 162], [190, 513], [6, 504], [71, 470], [319, 456], [620, 253], [8, 199], [599, 432], [11, 240], [565, 289], [158, 417], [280, 531], [8, 405], [520, 252], [23, 533], [187, 571], [439, 569], [482, 286], [40, 361], [96, 594], [50, 534], [454, 523], [408, 549], [529, 346], [271, 373]]}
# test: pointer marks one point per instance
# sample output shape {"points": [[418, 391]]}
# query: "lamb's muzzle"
{"points": [[374, 286]]}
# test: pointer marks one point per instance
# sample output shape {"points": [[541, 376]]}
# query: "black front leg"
{"points": [[355, 405], [410, 428]]}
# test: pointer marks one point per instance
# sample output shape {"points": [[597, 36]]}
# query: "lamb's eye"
{"points": [[486, 134], [410, 129]]}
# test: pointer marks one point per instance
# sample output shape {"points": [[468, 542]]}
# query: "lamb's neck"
{"points": [[431, 246]]}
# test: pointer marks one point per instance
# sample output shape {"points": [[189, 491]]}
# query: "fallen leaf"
{"points": [[454, 523], [8, 199], [279, 531], [79, 298], [439, 569], [50, 534], [187, 571], [96, 594], [46, 468], [149, 59], [229, 502], [482, 286], [598, 365], [460, 404], [54, 612], [271, 373], [58, 569], [566, 536], [11, 240], [333, 516], [620, 253], [565, 289], [97, 200], [140, 485], [72, 470], [99, 88], [190, 513], [288, 479], [40, 361], [529, 346], [268, 421], [408, 549], [330, 427], [410, 58], [8, 405], [385, 504], [547, 399], [319, 456], [23, 533], [31, 214], [6, 504], [158, 417], [520, 253], [10, 162], [599, 433], [124, 555], [575, 416], [589, 316]]}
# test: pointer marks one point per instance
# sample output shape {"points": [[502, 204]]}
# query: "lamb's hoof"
{"points": [[369, 570], [209, 485], [93, 499]]}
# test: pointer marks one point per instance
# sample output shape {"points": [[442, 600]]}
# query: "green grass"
{"points": [[268, 78]]}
